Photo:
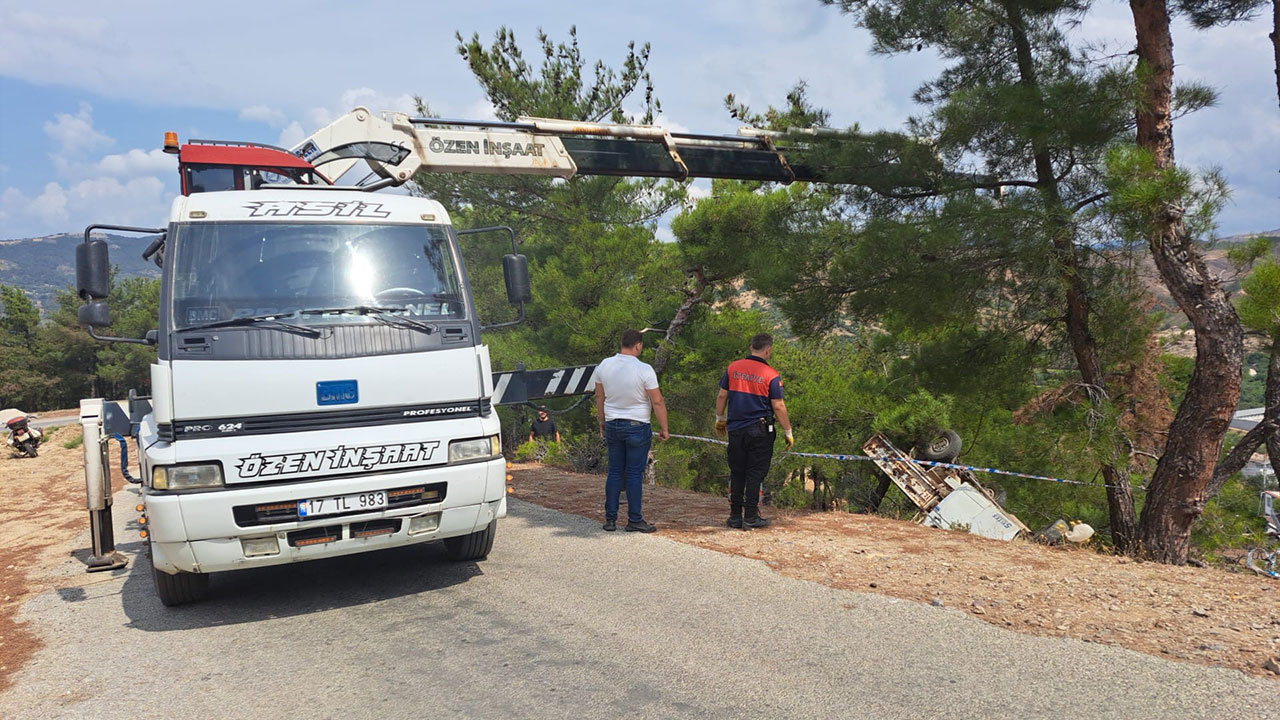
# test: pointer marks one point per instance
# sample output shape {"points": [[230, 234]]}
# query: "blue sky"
{"points": [[88, 88]]}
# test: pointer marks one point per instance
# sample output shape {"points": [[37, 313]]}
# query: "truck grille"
{"points": [[287, 510], [322, 420]]}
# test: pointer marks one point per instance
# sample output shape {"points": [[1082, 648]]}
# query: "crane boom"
{"points": [[396, 146]]}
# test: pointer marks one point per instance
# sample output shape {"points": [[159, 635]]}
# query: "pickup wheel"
{"points": [[941, 447], [180, 589], [475, 546]]}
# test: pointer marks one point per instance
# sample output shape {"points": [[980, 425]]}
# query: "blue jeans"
{"points": [[629, 442]]}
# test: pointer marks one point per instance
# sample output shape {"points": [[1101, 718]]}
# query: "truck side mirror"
{"points": [[94, 314], [93, 280], [515, 270]]}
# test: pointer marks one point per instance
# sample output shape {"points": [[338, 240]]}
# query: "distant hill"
{"points": [[1215, 257], [44, 265]]}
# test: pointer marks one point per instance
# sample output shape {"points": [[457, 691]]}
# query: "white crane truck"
{"points": [[320, 386]]}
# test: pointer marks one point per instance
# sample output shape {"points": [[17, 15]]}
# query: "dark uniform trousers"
{"points": [[750, 452]]}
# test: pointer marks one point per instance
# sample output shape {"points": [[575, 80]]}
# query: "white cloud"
{"points": [[481, 110], [699, 189], [293, 130], [138, 162], [74, 136], [263, 114], [664, 120], [50, 205], [132, 187], [291, 135], [755, 48], [375, 100], [59, 208]]}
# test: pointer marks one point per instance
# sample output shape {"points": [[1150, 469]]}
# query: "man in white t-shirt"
{"points": [[626, 395]]}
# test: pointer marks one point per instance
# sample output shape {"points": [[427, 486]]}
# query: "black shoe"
{"points": [[610, 525], [734, 522], [755, 523], [641, 526]]}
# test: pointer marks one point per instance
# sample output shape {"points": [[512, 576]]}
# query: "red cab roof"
{"points": [[244, 155]]}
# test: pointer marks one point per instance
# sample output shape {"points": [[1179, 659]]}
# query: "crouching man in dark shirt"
{"points": [[544, 428]]}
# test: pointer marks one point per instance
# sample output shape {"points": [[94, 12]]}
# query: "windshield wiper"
{"points": [[384, 315], [270, 320]]}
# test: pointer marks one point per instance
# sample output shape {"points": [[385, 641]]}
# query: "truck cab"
{"points": [[320, 386]]}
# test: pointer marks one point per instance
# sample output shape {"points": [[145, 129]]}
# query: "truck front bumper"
{"points": [[198, 532]]}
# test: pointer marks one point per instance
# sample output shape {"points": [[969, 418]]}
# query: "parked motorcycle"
{"points": [[22, 437]]}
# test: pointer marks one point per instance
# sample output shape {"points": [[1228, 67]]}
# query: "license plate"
{"points": [[313, 507]]}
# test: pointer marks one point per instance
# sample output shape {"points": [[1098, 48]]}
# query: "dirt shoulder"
{"points": [[43, 508], [1206, 616]]}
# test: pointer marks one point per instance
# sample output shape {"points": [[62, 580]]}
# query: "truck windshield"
{"points": [[223, 271]]}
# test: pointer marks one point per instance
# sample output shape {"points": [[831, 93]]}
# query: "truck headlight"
{"points": [[186, 477], [478, 449]]}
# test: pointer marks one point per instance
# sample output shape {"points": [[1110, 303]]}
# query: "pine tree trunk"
{"points": [[692, 298], [1275, 40], [1175, 495], [1271, 417], [1083, 344], [1264, 432]]}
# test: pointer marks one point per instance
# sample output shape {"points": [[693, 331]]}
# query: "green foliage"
{"points": [[1211, 13], [1230, 520], [960, 249], [1140, 192], [596, 265], [1247, 253], [582, 453], [1259, 307], [677, 465], [560, 87], [53, 364], [21, 317], [530, 451], [74, 442]]}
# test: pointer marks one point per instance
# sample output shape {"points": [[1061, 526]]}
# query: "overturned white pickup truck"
{"points": [[948, 497]]}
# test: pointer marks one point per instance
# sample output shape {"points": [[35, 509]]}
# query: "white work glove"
{"points": [[790, 439]]}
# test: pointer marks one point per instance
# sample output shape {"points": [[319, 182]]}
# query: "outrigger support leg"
{"points": [[97, 482]]}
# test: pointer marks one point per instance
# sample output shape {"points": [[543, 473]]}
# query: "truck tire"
{"points": [[180, 589], [475, 546], [943, 446]]}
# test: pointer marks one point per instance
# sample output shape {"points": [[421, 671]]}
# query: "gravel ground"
{"points": [[564, 620]]}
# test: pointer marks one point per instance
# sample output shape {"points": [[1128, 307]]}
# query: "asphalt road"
{"points": [[565, 621]]}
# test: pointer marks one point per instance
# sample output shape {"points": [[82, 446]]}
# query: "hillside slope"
{"points": [[44, 265]]}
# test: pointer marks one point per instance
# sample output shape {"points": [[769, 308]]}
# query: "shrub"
{"points": [[672, 466], [529, 451], [584, 454]]}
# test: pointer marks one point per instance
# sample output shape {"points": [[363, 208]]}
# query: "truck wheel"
{"points": [[180, 589], [475, 546], [941, 447]]}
